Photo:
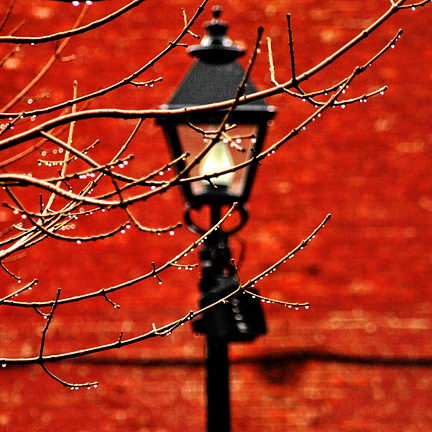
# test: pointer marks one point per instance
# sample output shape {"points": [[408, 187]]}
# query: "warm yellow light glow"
{"points": [[218, 159]]}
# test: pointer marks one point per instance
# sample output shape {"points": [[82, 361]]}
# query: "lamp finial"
{"points": [[216, 47]]}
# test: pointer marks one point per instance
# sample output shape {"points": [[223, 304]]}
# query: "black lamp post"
{"points": [[215, 77]]}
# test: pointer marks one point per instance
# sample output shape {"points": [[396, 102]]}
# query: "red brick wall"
{"points": [[367, 276]]}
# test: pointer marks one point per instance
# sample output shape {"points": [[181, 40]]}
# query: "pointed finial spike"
{"points": [[217, 11]]}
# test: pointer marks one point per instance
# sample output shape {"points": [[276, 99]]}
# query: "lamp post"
{"points": [[215, 77]]}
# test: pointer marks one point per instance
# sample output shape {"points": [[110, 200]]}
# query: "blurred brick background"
{"points": [[360, 358]]}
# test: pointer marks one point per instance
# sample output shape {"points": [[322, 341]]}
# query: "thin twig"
{"points": [[74, 31], [45, 68]]}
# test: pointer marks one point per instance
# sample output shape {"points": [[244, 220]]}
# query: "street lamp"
{"points": [[215, 77]]}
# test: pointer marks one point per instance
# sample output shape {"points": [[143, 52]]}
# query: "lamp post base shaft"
{"points": [[218, 394]]}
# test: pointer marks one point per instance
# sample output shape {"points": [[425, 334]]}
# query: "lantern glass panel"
{"points": [[233, 148]]}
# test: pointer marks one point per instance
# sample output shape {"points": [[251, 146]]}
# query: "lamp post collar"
{"points": [[216, 47]]}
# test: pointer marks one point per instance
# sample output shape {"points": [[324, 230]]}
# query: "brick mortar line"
{"points": [[275, 359]]}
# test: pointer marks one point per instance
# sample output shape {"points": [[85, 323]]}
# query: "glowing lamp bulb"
{"points": [[218, 159]]}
